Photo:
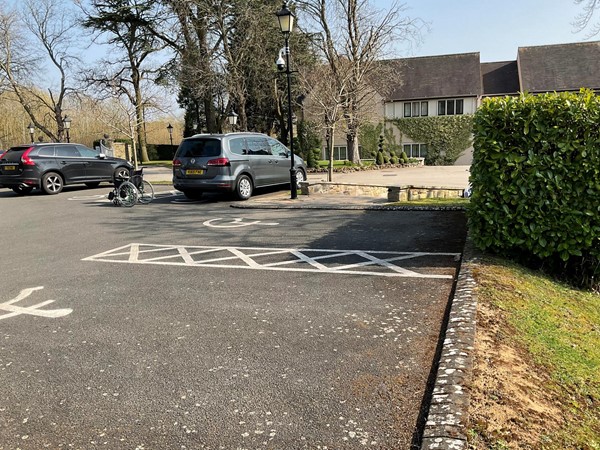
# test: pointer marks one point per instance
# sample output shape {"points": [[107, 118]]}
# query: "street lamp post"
{"points": [[286, 24], [170, 130], [31, 128], [67, 124]]}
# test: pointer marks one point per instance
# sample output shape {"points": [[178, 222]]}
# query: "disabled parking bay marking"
{"points": [[33, 310], [354, 262], [235, 223]]}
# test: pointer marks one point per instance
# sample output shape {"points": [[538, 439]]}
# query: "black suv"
{"points": [[51, 166]]}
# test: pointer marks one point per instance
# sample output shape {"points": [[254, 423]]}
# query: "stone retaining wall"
{"points": [[393, 193]]}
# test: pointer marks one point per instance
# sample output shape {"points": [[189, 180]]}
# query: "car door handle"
{"points": [[63, 162]]}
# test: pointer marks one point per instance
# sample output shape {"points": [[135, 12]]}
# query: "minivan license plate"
{"points": [[10, 167], [194, 172]]}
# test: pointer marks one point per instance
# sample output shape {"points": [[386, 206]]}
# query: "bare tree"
{"points": [[586, 17], [353, 34], [22, 60], [324, 102], [124, 25]]}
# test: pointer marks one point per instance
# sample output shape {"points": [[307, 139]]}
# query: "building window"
{"points": [[415, 150], [340, 153], [415, 109], [450, 107], [459, 106]]}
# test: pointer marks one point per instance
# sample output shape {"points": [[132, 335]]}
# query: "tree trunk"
{"points": [[139, 116], [352, 146], [331, 138]]}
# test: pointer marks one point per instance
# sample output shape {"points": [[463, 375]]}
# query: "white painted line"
{"points": [[235, 223], [33, 310], [383, 263]]}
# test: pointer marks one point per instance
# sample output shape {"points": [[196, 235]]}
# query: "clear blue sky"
{"points": [[495, 28]]}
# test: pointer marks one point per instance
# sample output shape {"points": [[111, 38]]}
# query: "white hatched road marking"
{"points": [[33, 310], [315, 260]]}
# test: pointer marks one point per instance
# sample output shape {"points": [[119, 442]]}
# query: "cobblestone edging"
{"points": [[445, 426]]}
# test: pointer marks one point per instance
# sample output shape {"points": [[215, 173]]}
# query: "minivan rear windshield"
{"points": [[197, 148]]}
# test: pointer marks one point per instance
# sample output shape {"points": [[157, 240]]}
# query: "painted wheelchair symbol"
{"points": [[235, 223], [34, 310]]}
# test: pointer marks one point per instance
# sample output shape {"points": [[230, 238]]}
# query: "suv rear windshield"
{"points": [[197, 148]]}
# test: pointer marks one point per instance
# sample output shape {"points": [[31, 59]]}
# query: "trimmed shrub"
{"points": [[536, 182], [404, 157], [380, 160]]}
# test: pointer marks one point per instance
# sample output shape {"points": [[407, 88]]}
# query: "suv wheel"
{"points": [[22, 190], [121, 173], [52, 183], [243, 187]]}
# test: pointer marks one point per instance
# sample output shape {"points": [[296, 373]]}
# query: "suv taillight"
{"points": [[2, 155], [218, 162], [25, 159], [176, 163]]}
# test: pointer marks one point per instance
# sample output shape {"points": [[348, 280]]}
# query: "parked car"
{"points": [[51, 166], [233, 162]]}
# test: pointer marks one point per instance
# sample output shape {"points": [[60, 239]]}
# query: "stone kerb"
{"points": [[393, 193]]}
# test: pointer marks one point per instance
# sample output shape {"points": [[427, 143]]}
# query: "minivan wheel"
{"points": [[52, 183], [193, 195], [22, 190], [243, 187], [300, 177]]}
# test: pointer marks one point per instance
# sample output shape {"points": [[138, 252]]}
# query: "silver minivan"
{"points": [[233, 162]]}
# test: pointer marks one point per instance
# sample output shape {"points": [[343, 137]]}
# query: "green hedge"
{"points": [[161, 152], [536, 181]]}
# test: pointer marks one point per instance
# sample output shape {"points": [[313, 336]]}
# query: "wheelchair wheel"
{"points": [[127, 195], [146, 192]]}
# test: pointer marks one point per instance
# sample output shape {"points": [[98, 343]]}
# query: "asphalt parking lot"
{"points": [[196, 325]]}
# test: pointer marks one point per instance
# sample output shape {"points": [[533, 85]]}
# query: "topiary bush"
{"points": [[536, 182]]}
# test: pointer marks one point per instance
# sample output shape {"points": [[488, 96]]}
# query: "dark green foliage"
{"points": [[161, 152], [536, 182], [369, 139], [447, 137], [404, 157], [380, 159], [309, 142]]}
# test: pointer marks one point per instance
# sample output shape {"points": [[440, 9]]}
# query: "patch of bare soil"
{"points": [[510, 406]]}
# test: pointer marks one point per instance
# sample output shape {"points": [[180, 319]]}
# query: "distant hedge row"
{"points": [[536, 182]]}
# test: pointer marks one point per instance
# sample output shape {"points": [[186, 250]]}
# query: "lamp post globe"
{"points": [[232, 118], [31, 128], [67, 125]]}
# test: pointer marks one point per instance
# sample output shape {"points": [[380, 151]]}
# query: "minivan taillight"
{"points": [[25, 159], [176, 163], [219, 162]]}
